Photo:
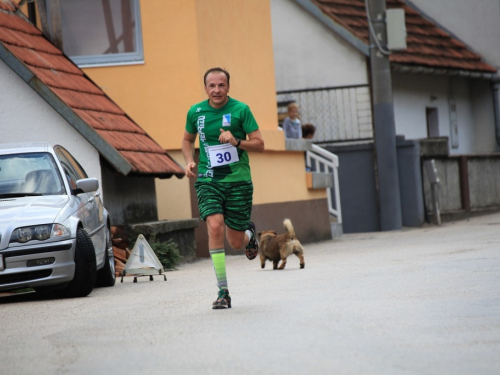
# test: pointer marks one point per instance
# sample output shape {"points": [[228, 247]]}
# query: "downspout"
{"points": [[496, 108]]}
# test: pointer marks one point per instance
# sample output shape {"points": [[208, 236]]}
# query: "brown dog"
{"points": [[274, 246]]}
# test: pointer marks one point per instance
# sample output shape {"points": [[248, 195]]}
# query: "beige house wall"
{"points": [[281, 177], [173, 195]]}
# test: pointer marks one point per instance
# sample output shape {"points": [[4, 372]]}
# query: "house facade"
{"points": [[443, 93]]}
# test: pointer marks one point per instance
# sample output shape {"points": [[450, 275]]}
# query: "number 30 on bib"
{"points": [[222, 155]]}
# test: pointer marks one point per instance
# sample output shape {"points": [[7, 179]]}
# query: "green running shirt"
{"points": [[207, 122]]}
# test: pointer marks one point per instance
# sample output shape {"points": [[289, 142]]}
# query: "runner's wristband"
{"points": [[238, 144]]}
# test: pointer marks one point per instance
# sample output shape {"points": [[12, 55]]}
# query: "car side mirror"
{"points": [[86, 185]]}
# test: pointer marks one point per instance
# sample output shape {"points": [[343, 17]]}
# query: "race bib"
{"points": [[222, 154]]}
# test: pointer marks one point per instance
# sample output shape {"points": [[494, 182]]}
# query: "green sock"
{"points": [[219, 261]]}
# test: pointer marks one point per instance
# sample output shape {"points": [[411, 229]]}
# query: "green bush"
{"points": [[167, 252]]}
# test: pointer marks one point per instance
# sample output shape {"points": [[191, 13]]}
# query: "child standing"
{"points": [[291, 125]]}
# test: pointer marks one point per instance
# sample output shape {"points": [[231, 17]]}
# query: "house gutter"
{"points": [[417, 69]]}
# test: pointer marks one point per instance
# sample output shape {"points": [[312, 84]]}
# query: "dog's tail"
{"points": [[289, 228]]}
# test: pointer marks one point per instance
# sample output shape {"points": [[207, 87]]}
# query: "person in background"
{"points": [[308, 131], [291, 125]]}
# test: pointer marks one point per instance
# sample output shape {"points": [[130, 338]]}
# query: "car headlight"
{"points": [[39, 232], [22, 234], [42, 232]]}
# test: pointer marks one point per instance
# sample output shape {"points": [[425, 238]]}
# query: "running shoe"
{"points": [[223, 300], [252, 249]]}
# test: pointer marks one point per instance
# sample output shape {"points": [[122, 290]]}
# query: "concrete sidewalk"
{"points": [[415, 301]]}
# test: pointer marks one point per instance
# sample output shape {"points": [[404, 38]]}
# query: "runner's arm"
{"points": [[188, 152], [254, 143]]}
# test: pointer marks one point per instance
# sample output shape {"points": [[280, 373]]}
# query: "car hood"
{"points": [[20, 212]]}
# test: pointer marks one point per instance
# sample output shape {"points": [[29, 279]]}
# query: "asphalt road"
{"points": [[415, 301]]}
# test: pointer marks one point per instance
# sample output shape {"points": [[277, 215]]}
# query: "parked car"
{"points": [[54, 230]]}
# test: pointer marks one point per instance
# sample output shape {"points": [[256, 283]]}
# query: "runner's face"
{"points": [[217, 89]]}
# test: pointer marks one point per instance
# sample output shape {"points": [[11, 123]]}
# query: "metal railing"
{"points": [[323, 161], [340, 113]]}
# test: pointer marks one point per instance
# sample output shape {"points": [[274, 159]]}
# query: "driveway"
{"points": [[415, 301]]}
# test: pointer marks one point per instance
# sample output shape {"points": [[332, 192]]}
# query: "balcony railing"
{"points": [[339, 113], [323, 161]]}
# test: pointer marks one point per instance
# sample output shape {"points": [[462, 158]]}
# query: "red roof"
{"points": [[87, 100], [427, 44]]}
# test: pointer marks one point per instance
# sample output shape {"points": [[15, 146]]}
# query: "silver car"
{"points": [[54, 230]]}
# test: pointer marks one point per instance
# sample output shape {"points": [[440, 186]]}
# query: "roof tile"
{"points": [[62, 80], [25, 40], [109, 121], [87, 101], [130, 141], [36, 58], [153, 163], [9, 22]]}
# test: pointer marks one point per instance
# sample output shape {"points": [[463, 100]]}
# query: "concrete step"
{"points": [[337, 229]]}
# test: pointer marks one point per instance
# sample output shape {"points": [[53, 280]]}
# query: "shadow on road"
{"points": [[25, 296]]}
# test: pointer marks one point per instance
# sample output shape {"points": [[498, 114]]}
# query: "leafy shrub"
{"points": [[167, 252]]}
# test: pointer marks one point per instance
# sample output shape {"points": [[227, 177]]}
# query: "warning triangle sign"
{"points": [[143, 260]]}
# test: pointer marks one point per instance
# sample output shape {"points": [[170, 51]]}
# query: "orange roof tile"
{"points": [[86, 100], [428, 44]]}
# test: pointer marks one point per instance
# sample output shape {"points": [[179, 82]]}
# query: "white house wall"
{"points": [[414, 93], [308, 54], [27, 117]]}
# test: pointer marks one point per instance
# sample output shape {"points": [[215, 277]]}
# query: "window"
{"points": [[432, 122], [30, 174], [102, 32], [72, 168]]}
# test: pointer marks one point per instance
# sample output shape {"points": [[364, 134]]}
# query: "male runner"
{"points": [[224, 187]]}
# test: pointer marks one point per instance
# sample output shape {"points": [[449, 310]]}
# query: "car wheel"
{"points": [[85, 268], [106, 276]]}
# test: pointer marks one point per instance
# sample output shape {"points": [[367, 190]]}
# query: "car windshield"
{"points": [[29, 174]]}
